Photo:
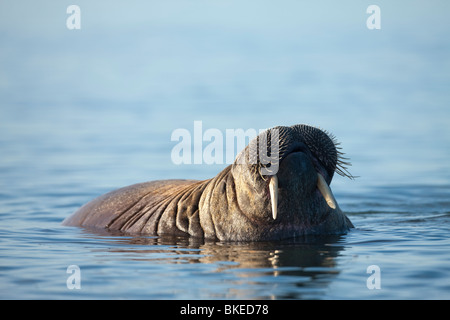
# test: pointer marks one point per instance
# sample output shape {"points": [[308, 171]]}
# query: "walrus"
{"points": [[250, 200]]}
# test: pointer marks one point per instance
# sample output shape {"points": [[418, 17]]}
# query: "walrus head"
{"points": [[277, 188], [281, 187]]}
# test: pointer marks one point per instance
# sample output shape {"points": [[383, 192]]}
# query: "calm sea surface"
{"points": [[83, 112]]}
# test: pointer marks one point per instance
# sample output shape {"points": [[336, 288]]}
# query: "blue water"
{"points": [[83, 112]]}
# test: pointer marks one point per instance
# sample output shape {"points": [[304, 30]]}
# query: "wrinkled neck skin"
{"points": [[236, 205], [228, 207]]}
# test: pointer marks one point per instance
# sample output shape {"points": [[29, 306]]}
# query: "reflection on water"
{"points": [[407, 238], [250, 269]]}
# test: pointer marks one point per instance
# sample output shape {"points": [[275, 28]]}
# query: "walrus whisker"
{"points": [[341, 162]]}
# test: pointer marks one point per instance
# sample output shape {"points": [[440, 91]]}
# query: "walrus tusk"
{"points": [[326, 191], [273, 189]]}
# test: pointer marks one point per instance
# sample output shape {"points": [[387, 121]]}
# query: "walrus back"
{"points": [[122, 208]]}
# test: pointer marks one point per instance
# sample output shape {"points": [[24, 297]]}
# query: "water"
{"points": [[86, 111]]}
